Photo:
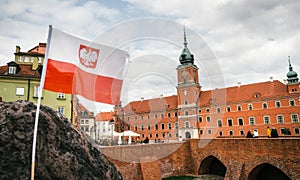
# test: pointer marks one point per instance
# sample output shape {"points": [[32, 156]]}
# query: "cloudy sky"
{"points": [[233, 41]]}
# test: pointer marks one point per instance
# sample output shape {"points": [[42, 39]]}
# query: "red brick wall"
{"points": [[240, 157]]}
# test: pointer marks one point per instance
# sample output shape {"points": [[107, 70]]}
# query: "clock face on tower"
{"points": [[184, 73]]}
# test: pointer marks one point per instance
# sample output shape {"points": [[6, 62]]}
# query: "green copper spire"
{"points": [[185, 57], [292, 75]]}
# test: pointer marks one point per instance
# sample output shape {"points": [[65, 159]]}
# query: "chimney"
{"points": [[271, 79], [239, 84], [18, 49]]}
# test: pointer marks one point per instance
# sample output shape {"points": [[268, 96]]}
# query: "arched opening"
{"points": [[267, 172], [213, 167], [187, 135]]}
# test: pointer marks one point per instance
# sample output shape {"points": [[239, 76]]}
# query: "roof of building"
{"points": [[81, 108], [25, 71], [37, 50], [150, 105], [104, 116], [244, 93]]}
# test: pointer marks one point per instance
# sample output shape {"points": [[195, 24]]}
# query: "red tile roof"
{"points": [[149, 105], [81, 108], [25, 71], [104, 116], [244, 93]]}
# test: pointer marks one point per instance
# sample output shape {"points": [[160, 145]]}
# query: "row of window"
{"points": [[20, 91], [242, 132], [163, 135], [156, 126], [250, 106], [162, 115], [240, 121]]}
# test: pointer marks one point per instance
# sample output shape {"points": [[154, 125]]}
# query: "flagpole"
{"points": [[39, 102]]}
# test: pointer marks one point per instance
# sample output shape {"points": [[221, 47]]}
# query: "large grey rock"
{"points": [[62, 152]]}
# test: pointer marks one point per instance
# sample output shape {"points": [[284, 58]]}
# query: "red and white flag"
{"points": [[77, 66]]}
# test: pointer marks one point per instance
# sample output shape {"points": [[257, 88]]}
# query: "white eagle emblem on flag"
{"points": [[88, 56]]}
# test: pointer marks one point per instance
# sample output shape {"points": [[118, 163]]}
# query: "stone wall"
{"points": [[240, 156]]}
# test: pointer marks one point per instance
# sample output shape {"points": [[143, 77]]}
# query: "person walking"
{"points": [[269, 130], [255, 134]]}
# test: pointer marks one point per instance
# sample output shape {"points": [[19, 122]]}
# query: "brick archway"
{"points": [[213, 166], [280, 165], [267, 171]]}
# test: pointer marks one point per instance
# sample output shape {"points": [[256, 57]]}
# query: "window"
{"points": [[170, 125], [61, 96], [201, 131], [61, 109], [242, 133], [148, 116], [277, 104], [169, 114], [186, 113], [220, 133], [81, 121], [142, 117], [12, 70], [219, 122], [250, 107], [200, 119], [142, 127], [292, 103], [266, 119], [295, 118], [251, 120], [230, 133], [207, 110], [143, 135], [162, 126], [36, 91], [156, 135], [185, 102], [265, 105], [149, 127], [162, 115], [297, 130], [20, 91], [128, 118], [155, 116], [156, 126], [199, 111], [207, 118], [86, 121], [282, 130], [175, 114], [209, 131], [218, 109], [187, 124], [176, 125], [239, 108], [279, 119], [229, 122], [228, 108], [150, 135], [169, 135], [135, 117], [163, 134], [241, 121], [135, 127]]}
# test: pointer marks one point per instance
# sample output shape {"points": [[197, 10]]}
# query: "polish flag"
{"points": [[77, 66]]}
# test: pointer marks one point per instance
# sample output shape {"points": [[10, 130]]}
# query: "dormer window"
{"points": [[12, 70]]}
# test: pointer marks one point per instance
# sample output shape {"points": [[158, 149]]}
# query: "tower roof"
{"points": [[186, 57], [292, 75]]}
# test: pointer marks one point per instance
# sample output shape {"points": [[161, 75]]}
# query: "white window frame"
{"points": [[297, 118], [269, 120], [277, 117], [250, 123]]}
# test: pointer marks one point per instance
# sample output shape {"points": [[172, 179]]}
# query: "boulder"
{"points": [[62, 151]]}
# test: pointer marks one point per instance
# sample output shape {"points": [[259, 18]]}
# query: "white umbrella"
{"points": [[130, 133], [129, 140]]}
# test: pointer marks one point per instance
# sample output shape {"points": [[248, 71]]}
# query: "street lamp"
{"points": [[111, 123]]}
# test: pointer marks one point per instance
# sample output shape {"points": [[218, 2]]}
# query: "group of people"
{"points": [[271, 132]]}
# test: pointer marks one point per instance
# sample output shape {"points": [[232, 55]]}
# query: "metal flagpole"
{"points": [[39, 102]]}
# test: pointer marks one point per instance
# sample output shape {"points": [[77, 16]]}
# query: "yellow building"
{"points": [[20, 80]]}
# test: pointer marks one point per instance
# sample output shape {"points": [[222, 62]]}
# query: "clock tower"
{"points": [[188, 90]]}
